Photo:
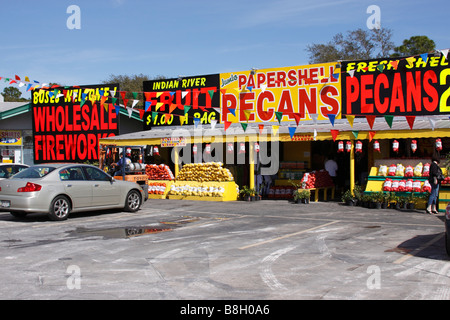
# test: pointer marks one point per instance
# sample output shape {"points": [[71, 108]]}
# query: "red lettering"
{"points": [[292, 80], [70, 146], [76, 117], [59, 147], [281, 78], [112, 119], [94, 118], [228, 102], [379, 105], [413, 91], [264, 115], [243, 105], [270, 79], [302, 75], [251, 81], [397, 95], [37, 146], [85, 115], [260, 79], [366, 93], [50, 147], [430, 104], [91, 144], [59, 118], [39, 119], [329, 100], [304, 100], [285, 105], [242, 80], [69, 125], [50, 118], [82, 147], [352, 92]]}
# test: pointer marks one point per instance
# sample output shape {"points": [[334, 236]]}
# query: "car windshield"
{"points": [[34, 172]]}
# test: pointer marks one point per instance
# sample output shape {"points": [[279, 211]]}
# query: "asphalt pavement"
{"points": [[195, 250]]}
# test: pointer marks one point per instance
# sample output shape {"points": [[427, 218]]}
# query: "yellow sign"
{"points": [[281, 94], [173, 142], [10, 137]]}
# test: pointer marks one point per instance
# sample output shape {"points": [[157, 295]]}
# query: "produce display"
{"points": [[404, 185], [199, 191], [316, 179], [159, 172], [204, 172], [420, 170], [157, 188]]}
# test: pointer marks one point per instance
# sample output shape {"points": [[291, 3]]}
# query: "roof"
{"points": [[422, 127], [11, 109]]}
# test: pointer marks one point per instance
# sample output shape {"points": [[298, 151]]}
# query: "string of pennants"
{"points": [[33, 85]]}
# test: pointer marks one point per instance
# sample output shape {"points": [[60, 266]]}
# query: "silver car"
{"points": [[7, 170], [59, 189]]}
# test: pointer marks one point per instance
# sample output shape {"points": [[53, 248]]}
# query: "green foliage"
{"points": [[414, 46]]}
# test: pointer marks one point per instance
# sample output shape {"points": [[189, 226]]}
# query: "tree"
{"points": [[414, 46], [358, 44], [12, 94], [130, 84]]}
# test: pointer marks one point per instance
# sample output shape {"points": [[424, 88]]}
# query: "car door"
{"points": [[104, 192], [76, 186]]}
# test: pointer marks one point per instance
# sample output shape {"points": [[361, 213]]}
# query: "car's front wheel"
{"points": [[59, 209], [133, 201]]}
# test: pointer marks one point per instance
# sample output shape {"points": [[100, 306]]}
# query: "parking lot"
{"points": [[262, 250]]}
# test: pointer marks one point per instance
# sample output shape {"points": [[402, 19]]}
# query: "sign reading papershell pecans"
{"points": [[281, 94], [407, 86]]}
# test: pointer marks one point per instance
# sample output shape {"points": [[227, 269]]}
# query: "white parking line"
{"points": [[288, 235]]}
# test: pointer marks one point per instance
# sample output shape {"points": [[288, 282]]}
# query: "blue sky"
{"points": [[194, 37]]}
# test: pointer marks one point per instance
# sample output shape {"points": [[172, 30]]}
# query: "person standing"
{"points": [[332, 168], [433, 179]]}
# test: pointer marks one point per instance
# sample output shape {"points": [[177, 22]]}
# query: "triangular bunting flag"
{"points": [[223, 91], [167, 117], [112, 92], [370, 121], [432, 123], [141, 113], [186, 109], [130, 111], [233, 111], [172, 107], [355, 134], [135, 102], [211, 93], [135, 95], [297, 117], [247, 114], [250, 88], [410, 120], [445, 53], [147, 105], [389, 120], [263, 87], [125, 102], [351, 73], [394, 63], [331, 117], [227, 124], [17, 78], [196, 121], [275, 129], [334, 134], [213, 123], [424, 57], [380, 67], [292, 131], [371, 135], [158, 105], [350, 119], [279, 115], [117, 109], [244, 126], [261, 128], [182, 119]]}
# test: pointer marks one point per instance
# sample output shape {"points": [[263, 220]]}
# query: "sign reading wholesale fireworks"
{"points": [[407, 86], [281, 94], [187, 100], [68, 122]]}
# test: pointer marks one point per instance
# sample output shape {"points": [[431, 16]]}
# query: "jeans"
{"points": [[433, 195]]}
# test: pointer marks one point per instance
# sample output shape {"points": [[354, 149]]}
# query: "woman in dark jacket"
{"points": [[435, 171]]}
